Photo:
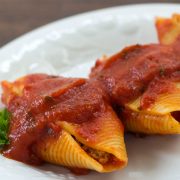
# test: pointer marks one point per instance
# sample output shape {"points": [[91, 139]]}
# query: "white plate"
{"points": [[69, 47]]}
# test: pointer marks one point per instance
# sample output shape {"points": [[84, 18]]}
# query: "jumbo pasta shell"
{"points": [[148, 123], [92, 147], [67, 152]]}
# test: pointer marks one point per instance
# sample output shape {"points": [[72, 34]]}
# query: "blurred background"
{"points": [[20, 16]]}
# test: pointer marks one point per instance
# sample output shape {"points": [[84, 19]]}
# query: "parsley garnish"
{"points": [[4, 127]]}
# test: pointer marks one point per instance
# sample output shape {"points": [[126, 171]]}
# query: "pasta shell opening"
{"points": [[66, 150]]}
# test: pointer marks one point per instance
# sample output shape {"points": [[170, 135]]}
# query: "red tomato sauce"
{"points": [[128, 74], [45, 101]]}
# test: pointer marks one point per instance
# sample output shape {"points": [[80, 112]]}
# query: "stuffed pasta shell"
{"points": [[64, 121], [143, 83], [162, 115], [157, 111]]}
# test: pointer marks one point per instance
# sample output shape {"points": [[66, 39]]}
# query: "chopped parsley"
{"points": [[4, 127]]}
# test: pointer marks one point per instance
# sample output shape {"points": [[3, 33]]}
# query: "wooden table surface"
{"points": [[20, 16]]}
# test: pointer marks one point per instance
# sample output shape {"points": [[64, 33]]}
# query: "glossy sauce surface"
{"points": [[127, 75]]}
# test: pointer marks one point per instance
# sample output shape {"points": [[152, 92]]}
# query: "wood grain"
{"points": [[20, 16]]}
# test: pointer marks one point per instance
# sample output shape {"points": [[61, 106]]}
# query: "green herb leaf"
{"points": [[4, 127]]}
